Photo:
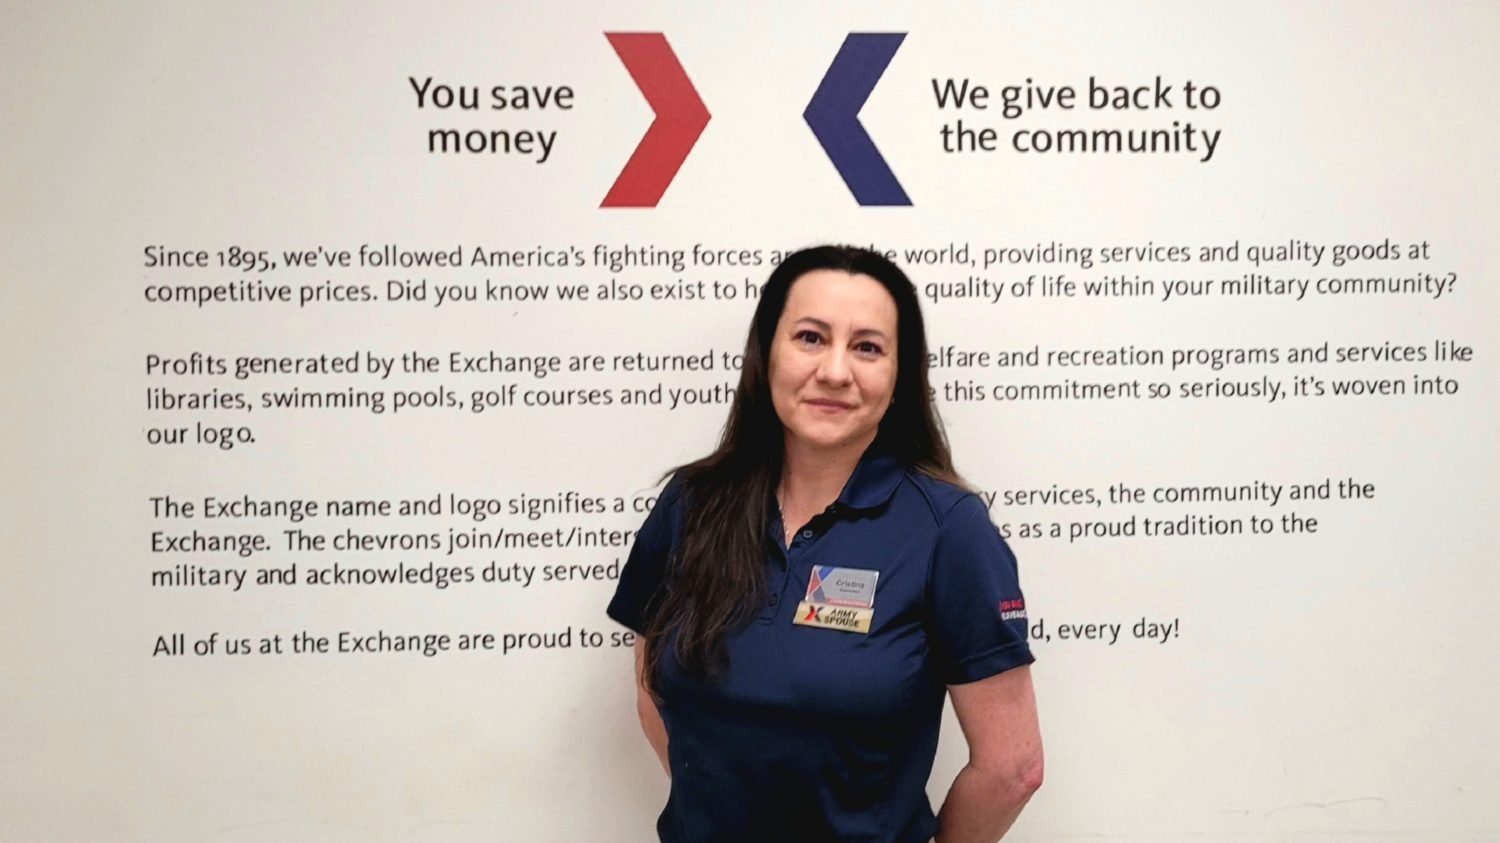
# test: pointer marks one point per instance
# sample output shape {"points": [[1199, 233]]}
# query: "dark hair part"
{"points": [[718, 571]]}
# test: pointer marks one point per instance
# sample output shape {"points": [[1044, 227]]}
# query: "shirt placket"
{"points": [[788, 559]]}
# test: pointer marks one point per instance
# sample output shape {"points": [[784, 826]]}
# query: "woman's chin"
{"points": [[825, 436]]}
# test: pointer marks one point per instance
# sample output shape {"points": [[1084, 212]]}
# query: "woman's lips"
{"points": [[828, 406]]}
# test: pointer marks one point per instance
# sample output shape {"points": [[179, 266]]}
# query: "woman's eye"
{"points": [[807, 336], [869, 348]]}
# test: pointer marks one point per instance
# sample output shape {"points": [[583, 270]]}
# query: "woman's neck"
{"points": [[811, 478]]}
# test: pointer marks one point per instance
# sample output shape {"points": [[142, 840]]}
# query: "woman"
{"points": [[807, 593]]}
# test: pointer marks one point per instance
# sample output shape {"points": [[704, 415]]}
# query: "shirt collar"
{"points": [[871, 484], [873, 481]]}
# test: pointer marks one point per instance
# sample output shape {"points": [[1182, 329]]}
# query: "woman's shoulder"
{"points": [[670, 495], [942, 498], [689, 480]]}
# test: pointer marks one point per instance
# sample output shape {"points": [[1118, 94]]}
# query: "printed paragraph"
{"points": [[222, 394], [378, 642], [516, 543], [480, 275], [1253, 507]]}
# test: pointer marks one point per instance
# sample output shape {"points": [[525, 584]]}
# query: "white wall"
{"points": [[1317, 685]]}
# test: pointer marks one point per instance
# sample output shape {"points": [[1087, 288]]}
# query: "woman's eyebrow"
{"points": [[857, 332]]}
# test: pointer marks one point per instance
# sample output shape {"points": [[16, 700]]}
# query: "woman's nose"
{"points": [[834, 368]]}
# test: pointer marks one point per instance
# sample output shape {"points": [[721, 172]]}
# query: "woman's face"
{"points": [[833, 359]]}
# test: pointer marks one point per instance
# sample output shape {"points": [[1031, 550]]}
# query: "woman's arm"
{"points": [[645, 707], [998, 718]]}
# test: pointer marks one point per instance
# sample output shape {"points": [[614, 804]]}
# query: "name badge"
{"points": [[838, 598]]}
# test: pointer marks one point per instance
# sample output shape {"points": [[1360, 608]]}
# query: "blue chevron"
{"points": [[833, 116]]}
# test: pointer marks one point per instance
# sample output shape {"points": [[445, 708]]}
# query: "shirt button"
{"points": [[807, 534], [775, 598]]}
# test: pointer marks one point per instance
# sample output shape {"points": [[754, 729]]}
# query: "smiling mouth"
{"points": [[828, 405]]}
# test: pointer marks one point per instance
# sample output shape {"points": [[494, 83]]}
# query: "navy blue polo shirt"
{"points": [[826, 734]]}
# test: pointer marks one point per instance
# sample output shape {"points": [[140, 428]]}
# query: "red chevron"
{"points": [[680, 118]]}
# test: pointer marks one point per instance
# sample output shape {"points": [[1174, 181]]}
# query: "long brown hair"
{"points": [[718, 570]]}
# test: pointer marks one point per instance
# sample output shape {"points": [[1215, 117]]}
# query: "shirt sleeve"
{"points": [[643, 577], [976, 609]]}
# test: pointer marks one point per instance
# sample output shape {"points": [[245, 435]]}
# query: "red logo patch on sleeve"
{"points": [[1012, 610]]}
